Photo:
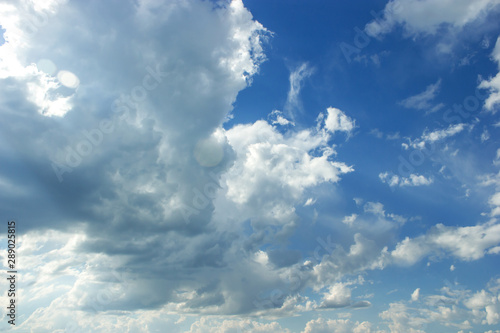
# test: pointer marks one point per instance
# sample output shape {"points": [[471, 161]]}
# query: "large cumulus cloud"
{"points": [[123, 180]]}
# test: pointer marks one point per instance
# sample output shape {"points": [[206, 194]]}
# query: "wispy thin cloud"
{"points": [[297, 76], [423, 100]]}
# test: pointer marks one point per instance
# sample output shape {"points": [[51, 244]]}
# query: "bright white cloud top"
{"points": [[158, 186]]}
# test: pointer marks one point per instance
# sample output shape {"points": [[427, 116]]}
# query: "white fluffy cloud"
{"points": [[338, 295], [276, 117], [401, 320], [412, 180], [364, 254], [493, 84], [322, 325], [415, 295], [455, 306], [338, 121], [485, 304], [373, 221], [428, 16], [266, 158], [349, 220], [206, 325], [494, 199], [465, 243], [494, 202]]}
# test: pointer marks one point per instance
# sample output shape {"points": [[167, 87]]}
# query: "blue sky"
{"points": [[252, 166]]}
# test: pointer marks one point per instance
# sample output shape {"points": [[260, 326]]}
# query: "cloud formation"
{"points": [[412, 180], [338, 121], [426, 17], [464, 243], [297, 76], [129, 149], [493, 84], [423, 100], [143, 208]]}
